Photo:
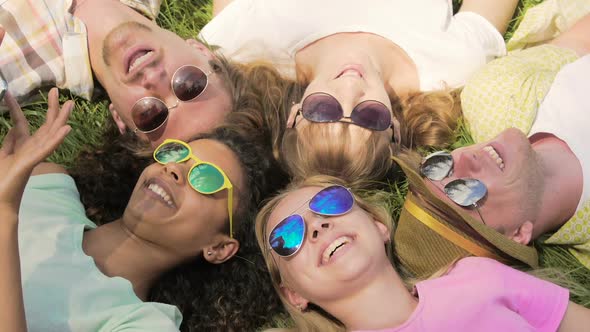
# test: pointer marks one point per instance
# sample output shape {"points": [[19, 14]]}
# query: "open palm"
{"points": [[21, 152]]}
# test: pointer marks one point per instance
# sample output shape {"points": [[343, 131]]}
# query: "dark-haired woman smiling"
{"points": [[187, 206]]}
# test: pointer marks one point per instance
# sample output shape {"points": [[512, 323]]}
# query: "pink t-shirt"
{"points": [[481, 294]]}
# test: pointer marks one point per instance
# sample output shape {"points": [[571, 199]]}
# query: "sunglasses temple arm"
{"points": [[230, 205], [478, 212]]}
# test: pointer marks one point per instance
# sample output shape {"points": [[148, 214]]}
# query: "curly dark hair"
{"points": [[105, 176], [234, 296]]}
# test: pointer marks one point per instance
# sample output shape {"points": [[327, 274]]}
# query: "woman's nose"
{"points": [[175, 172], [317, 225], [349, 93]]}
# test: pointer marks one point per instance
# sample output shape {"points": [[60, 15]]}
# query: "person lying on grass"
{"points": [[190, 207], [327, 252], [159, 84], [358, 66], [520, 186]]}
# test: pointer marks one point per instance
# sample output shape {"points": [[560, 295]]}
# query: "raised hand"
{"points": [[21, 152]]}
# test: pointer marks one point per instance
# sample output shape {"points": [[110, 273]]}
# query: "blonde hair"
{"points": [[319, 149], [430, 118], [314, 318], [266, 97], [427, 119]]}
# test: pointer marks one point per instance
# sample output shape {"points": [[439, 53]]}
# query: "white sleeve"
{"points": [[477, 32], [229, 29]]}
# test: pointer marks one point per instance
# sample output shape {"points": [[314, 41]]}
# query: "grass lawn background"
{"points": [[186, 17]]}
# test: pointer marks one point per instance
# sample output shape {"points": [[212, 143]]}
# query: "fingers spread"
{"points": [[8, 144], [16, 114], [52, 105], [62, 118]]}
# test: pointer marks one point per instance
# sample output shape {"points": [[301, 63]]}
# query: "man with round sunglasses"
{"points": [[524, 186], [159, 84]]}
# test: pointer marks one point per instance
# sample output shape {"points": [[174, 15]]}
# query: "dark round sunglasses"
{"points": [[466, 192], [324, 108], [287, 236], [151, 113]]}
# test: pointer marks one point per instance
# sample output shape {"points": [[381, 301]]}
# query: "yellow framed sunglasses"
{"points": [[204, 177]]}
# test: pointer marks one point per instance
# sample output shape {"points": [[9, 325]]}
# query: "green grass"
{"points": [[186, 17]]}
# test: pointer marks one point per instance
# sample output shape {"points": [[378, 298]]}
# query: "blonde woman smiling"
{"points": [[326, 250]]}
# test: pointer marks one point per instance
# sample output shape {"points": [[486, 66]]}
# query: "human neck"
{"points": [[563, 182], [384, 302], [117, 252], [396, 68]]}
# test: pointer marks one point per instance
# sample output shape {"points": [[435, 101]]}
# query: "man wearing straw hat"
{"points": [[493, 198]]}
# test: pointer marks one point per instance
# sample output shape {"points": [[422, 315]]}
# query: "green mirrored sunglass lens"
{"points": [[206, 178], [171, 152]]}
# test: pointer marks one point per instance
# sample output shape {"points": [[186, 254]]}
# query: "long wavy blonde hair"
{"points": [[314, 318]]}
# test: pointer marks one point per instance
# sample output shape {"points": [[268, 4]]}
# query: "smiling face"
{"points": [[338, 256], [512, 173], [139, 59], [166, 210]]}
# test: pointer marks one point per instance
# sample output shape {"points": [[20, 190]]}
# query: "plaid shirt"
{"points": [[42, 36]]}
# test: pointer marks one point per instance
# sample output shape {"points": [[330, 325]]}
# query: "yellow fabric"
{"points": [[576, 234], [445, 231], [508, 91], [546, 21]]}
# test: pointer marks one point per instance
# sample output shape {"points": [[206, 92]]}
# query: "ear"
{"points": [[201, 47], [383, 230], [117, 118], [294, 298], [223, 249], [523, 233], [293, 114]]}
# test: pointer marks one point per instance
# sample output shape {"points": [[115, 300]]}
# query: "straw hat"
{"points": [[431, 233]]}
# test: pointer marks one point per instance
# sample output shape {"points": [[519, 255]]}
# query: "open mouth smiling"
{"points": [[137, 58], [160, 192], [495, 156], [334, 247]]}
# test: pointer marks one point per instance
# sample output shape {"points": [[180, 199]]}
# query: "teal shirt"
{"points": [[62, 287]]}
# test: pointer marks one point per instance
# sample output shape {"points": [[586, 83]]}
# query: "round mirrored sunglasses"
{"points": [[150, 113], [466, 192]]}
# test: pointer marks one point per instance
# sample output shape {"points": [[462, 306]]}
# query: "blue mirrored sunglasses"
{"points": [[287, 236], [465, 192]]}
